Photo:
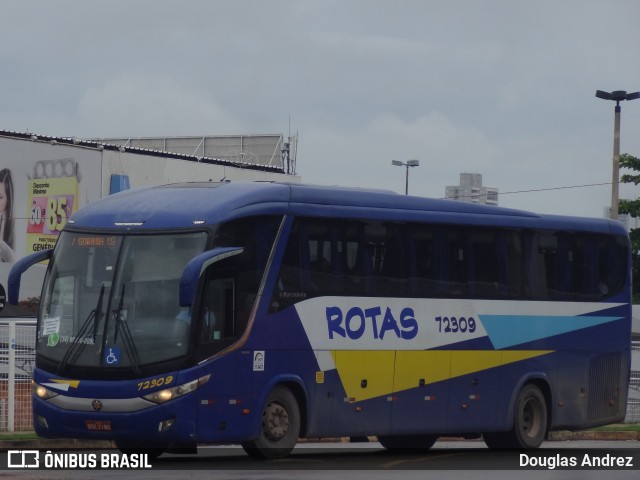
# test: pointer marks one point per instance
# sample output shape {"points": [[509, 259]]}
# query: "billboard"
{"points": [[50, 203], [44, 180], [41, 185]]}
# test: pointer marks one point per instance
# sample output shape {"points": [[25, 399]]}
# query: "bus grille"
{"points": [[605, 382]]}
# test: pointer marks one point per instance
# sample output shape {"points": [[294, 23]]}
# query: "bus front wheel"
{"points": [[280, 426], [529, 423]]}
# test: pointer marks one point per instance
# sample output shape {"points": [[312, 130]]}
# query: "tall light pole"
{"points": [[617, 96], [409, 163]]}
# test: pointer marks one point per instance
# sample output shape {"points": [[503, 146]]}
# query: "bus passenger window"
{"points": [[455, 273], [392, 274], [511, 265], [483, 264], [546, 266], [422, 261]]}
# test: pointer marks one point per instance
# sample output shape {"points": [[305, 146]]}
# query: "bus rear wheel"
{"points": [[280, 426], [408, 442], [529, 423]]}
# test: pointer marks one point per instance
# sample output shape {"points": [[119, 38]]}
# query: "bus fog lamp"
{"points": [[166, 424], [42, 421]]}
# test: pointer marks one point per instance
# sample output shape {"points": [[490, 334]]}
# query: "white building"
{"points": [[471, 190]]}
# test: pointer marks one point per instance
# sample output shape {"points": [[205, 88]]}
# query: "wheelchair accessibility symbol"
{"points": [[112, 356]]}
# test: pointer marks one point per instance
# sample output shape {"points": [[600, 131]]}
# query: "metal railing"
{"points": [[633, 401], [17, 359]]}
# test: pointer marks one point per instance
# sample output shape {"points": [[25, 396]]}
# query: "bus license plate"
{"points": [[98, 425]]}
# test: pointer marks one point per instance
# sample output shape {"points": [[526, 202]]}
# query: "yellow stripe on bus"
{"points": [[367, 374]]}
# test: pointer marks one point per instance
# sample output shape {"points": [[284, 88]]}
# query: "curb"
{"points": [[565, 435], [60, 443], [75, 444]]}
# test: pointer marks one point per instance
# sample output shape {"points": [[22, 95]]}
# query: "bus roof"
{"points": [[185, 205]]}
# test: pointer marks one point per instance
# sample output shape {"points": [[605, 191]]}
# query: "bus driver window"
{"points": [[218, 309]]}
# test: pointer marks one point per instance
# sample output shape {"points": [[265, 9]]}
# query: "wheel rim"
{"points": [[531, 419], [275, 421]]}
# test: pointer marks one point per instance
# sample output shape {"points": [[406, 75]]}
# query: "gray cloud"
{"points": [[502, 88]]}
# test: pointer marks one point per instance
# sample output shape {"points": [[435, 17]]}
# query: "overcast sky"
{"points": [[502, 88]]}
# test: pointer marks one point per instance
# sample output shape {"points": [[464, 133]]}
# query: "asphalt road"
{"points": [[447, 460]]}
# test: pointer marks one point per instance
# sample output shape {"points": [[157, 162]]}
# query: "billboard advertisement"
{"points": [[43, 181], [41, 185]]}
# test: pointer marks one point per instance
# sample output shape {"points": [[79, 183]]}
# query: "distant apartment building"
{"points": [[471, 190]]}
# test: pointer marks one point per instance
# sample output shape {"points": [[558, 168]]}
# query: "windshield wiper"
{"points": [[127, 339], [93, 317]]}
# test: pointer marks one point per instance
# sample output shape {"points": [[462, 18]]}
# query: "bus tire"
{"points": [[408, 442], [529, 423], [279, 428]]}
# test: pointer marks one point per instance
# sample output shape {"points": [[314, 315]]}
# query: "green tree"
{"points": [[632, 208]]}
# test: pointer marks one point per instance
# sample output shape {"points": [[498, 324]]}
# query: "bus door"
{"points": [[220, 320]]}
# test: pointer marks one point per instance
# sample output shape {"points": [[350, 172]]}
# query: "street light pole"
{"points": [[409, 163], [617, 96]]}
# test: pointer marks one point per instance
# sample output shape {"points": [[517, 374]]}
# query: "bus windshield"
{"points": [[112, 301]]}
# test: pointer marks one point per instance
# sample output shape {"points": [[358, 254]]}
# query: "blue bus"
{"points": [[261, 313]]}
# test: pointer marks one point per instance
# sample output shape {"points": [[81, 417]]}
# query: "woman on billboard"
{"points": [[7, 242]]}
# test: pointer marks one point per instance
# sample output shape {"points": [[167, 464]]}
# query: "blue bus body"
{"points": [[399, 335]]}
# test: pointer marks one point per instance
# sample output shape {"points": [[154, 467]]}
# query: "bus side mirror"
{"points": [[21, 266], [196, 267]]}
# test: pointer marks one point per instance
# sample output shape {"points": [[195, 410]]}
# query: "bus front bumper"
{"points": [[165, 425]]}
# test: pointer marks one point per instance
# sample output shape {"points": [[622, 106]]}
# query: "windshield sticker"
{"points": [[53, 339], [51, 325], [77, 340], [112, 356]]}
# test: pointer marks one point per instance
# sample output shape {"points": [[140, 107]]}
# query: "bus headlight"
{"points": [[176, 392], [42, 392]]}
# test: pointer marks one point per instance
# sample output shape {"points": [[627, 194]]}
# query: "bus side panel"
{"points": [[222, 399], [474, 402], [362, 403], [327, 391], [421, 391], [423, 409], [226, 415]]}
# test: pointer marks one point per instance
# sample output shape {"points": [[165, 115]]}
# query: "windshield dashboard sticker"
{"points": [[53, 339], [51, 325], [112, 356], [72, 339]]}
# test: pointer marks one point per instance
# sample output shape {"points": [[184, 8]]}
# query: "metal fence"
{"points": [[17, 357], [633, 402]]}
